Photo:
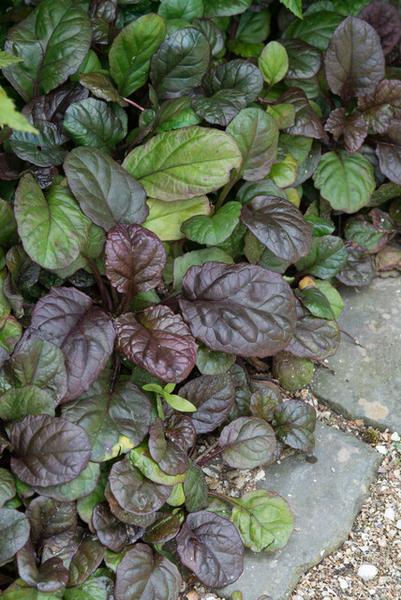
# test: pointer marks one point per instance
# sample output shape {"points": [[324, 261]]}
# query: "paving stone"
{"points": [[366, 383], [325, 497]]}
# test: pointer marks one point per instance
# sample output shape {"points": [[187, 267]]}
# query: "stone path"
{"points": [[325, 496], [367, 379]]}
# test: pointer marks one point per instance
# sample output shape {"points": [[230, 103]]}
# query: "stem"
{"points": [[138, 106], [226, 190], [104, 292], [116, 371], [159, 407], [228, 499], [207, 456]]}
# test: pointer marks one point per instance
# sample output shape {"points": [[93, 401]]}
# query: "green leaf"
{"points": [[10, 333], [284, 173], [176, 113], [253, 27], [197, 257], [316, 302], [8, 225], [7, 59], [7, 486], [264, 520], [19, 590], [101, 87], [94, 588], [273, 62], [18, 402], [184, 163], [95, 123], [195, 489], [345, 180], [256, 134], [326, 258], [140, 458], [180, 63], [212, 362], [181, 9], [131, 51], [225, 8], [52, 43], [165, 218], [43, 148], [52, 228], [294, 423], [179, 403], [79, 487], [315, 29], [10, 117], [295, 6], [215, 229], [332, 295]]}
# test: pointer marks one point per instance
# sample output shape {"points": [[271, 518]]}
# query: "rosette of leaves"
{"points": [[182, 188]]}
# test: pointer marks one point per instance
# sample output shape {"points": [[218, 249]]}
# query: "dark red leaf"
{"points": [[385, 19]]}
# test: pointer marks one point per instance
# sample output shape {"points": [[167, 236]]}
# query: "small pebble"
{"points": [[381, 449], [398, 524], [367, 572], [395, 437], [389, 513], [343, 583], [192, 596]]}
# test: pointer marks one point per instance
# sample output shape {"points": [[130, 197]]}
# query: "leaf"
{"points": [[86, 560], [354, 60], [184, 163], [165, 218], [142, 574], [214, 229], [131, 51], [134, 492], [170, 457], [225, 8], [213, 396], [213, 363], [10, 117], [43, 148], [386, 20], [256, 134], [279, 226], [358, 269], [176, 113], [245, 294], [17, 403], [316, 302], [266, 396], [52, 228], [220, 108], [248, 442], [333, 296], [51, 43], [97, 587], [273, 62], [345, 180], [181, 9], [75, 489], [294, 423], [106, 192], [164, 529], [388, 152], [211, 547], [7, 59], [253, 27], [295, 6], [264, 520], [354, 128], [315, 29], [197, 257], [158, 341], [14, 529], [380, 107], [92, 122], [141, 459], [7, 483], [111, 532], [115, 419], [180, 63], [101, 87], [314, 338], [48, 450], [307, 122], [195, 489], [326, 258], [70, 320], [304, 60], [135, 259], [38, 363]]}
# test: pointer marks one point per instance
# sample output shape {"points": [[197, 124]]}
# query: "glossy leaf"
{"points": [[386, 20], [326, 257], [17, 403], [354, 129], [294, 424], [43, 149], [197, 257], [166, 218], [48, 451], [214, 229], [273, 62], [264, 520], [184, 163], [195, 489], [159, 342], [170, 457], [209, 362], [135, 259], [85, 334], [314, 338], [249, 294], [248, 442], [86, 560], [105, 191], [95, 123], [14, 529], [211, 547]]}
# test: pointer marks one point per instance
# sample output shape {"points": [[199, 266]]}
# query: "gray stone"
{"points": [[366, 383], [325, 497]]}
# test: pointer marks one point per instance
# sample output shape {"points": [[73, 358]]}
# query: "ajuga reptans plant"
{"points": [[184, 185]]}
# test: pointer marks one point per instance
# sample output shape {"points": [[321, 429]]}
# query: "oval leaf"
{"points": [[248, 442]]}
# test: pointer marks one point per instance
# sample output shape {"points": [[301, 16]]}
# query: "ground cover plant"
{"points": [[184, 184]]}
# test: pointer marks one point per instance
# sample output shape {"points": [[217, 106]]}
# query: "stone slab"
{"points": [[366, 383], [325, 497]]}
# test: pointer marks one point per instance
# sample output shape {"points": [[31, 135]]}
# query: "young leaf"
{"points": [[294, 423], [159, 342], [47, 450], [170, 457], [131, 51], [273, 62], [345, 180], [264, 520], [211, 547], [161, 165], [166, 218], [135, 259], [215, 229], [142, 574], [354, 60], [279, 226], [180, 63], [217, 293], [10, 117], [248, 442], [105, 191], [354, 128], [266, 396]]}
